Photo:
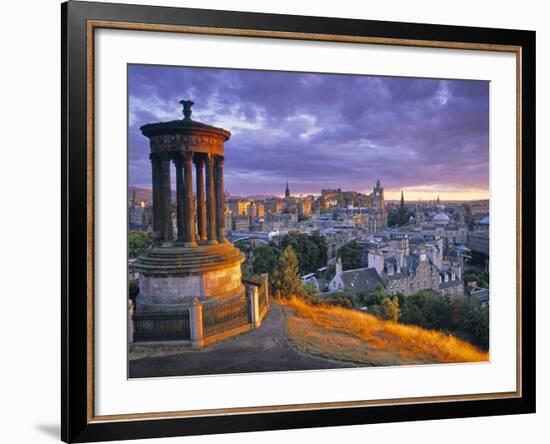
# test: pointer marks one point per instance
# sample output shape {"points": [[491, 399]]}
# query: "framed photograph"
{"points": [[276, 221]]}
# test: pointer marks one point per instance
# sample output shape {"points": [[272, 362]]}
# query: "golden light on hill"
{"points": [[388, 342]]}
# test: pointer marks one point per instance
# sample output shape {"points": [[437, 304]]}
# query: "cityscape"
{"points": [[452, 234], [413, 257]]}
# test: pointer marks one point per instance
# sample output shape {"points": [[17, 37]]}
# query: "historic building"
{"points": [[415, 273], [199, 272], [478, 241], [240, 223], [377, 204], [136, 216], [419, 273], [403, 265], [260, 210], [442, 226], [273, 205], [238, 206], [360, 280], [371, 207], [140, 216], [305, 206]]}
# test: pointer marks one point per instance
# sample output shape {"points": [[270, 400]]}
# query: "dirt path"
{"points": [[262, 350]]}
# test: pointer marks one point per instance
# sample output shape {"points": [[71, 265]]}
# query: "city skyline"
{"points": [[427, 137], [395, 196]]}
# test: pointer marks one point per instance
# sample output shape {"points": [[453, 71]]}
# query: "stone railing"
{"points": [[203, 322]]}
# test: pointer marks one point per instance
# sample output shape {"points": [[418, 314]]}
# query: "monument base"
{"points": [[171, 277]]}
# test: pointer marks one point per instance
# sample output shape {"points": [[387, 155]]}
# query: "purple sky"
{"points": [[429, 137]]}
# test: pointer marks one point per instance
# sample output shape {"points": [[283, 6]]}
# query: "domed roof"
{"points": [[440, 217]]}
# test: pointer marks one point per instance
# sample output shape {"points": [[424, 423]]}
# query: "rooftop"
{"points": [[361, 279], [441, 217]]}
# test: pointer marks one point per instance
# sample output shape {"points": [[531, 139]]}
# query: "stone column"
{"points": [[180, 210], [201, 204], [254, 306], [220, 200], [157, 216], [210, 200], [195, 323], [165, 199], [189, 204], [130, 322]]}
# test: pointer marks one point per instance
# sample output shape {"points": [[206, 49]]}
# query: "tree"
{"points": [[351, 255], [390, 309], [246, 266], [461, 316], [322, 248], [138, 242], [345, 298], [376, 296], [243, 246], [265, 259], [412, 314], [482, 278], [311, 250], [310, 290], [477, 326], [286, 278]]}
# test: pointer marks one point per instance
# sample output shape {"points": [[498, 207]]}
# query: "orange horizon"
{"points": [[410, 194], [414, 195]]}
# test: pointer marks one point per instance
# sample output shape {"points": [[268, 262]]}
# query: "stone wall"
{"points": [[177, 290], [425, 278], [221, 283], [457, 289]]}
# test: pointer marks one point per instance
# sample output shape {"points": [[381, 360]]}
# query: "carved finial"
{"points": [[187, 104]]}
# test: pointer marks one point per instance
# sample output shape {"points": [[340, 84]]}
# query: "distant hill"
{"points": [[258, 196], [141, 193], [146, 194]]}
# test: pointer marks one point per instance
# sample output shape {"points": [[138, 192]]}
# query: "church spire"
{"points": [[287, 191]]}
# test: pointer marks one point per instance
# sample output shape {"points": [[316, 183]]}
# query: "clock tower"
{"points": [[378, 197]]}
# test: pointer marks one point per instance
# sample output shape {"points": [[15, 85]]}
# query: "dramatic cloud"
{"points": [[319, 130]]}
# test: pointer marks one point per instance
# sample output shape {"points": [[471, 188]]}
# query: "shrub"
{"points": [[390, 309]]}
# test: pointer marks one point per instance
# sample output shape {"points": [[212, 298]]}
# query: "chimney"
{"points": [[339, 267]]}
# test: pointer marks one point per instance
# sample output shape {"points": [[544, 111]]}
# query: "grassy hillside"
{"points": [[342, 333]]}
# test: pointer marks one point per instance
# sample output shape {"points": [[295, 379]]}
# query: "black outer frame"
{"points": [[74, 423]]}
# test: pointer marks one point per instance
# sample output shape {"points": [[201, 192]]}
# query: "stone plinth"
{"points": [[171, 277]]}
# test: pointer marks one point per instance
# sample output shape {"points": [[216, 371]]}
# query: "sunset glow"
{"points": [[420, 195], [325, 130]]}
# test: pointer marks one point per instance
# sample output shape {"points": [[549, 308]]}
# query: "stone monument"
{"points": [[199, 262]]}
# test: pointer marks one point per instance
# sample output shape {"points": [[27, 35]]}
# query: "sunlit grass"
{"points": [[410, 343]]}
